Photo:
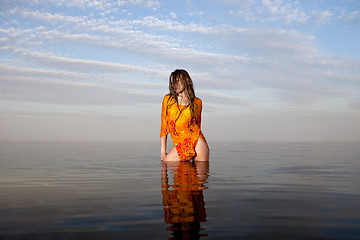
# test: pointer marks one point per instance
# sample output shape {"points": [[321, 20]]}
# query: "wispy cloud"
{"points": [[289, 11], [101, 5], [120, 53]]}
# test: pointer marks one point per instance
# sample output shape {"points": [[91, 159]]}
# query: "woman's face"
{"points": [[178, 86]]}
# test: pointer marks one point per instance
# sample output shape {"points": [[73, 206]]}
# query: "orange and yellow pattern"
{"points": [[184, 132], [183, 197]]}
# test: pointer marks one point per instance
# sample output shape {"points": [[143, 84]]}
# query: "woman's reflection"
{"points": [[182, 189]]}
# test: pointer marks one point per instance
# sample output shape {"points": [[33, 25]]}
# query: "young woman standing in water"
{"points": [[181, 117]]}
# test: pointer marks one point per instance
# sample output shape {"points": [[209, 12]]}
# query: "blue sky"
{"points": [[269, 70]]}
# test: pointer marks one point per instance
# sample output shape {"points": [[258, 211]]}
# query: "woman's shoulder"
{"points": [[198, 100], [167, 98]]}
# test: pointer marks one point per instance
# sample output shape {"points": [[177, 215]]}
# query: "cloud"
{"points": [[79, 78], [255, 57], [99, 4], [172, 15], [79, 64], [352, 17], [285, 61], [322, 17], [44, 87], [289, 11], [59, 92], [292, 12], [49, 18], [61, 86]]}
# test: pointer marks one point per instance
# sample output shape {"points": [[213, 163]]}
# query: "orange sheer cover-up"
{"points": [[184, 132]]}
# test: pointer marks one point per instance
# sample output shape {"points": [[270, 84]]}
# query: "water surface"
{"points": [[107, 190]]}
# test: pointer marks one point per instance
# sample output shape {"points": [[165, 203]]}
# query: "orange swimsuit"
{"points": [[184, 133]]}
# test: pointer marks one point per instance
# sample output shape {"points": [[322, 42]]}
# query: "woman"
{"points": [[181, 117]]}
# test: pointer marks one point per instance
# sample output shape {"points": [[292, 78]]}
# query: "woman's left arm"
{"points": [[198, 113]]}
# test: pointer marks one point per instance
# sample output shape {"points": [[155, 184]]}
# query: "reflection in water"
{"points": [[182, 189]]}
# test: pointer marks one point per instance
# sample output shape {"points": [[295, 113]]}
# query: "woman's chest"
{"points": [[180, 115]]}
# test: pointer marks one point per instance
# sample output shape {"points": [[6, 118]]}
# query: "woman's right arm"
{"points": [[164, 129], [163, 141]]}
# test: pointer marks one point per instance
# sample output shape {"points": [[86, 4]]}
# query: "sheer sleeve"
{"points": [[198, 112], [164, 125]]}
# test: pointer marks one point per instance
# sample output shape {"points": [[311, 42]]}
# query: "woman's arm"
{"points": [[198, 113], [163, 141], [164, 129]]}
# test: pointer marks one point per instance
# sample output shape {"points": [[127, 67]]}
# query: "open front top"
{"points": [[184, 130]]}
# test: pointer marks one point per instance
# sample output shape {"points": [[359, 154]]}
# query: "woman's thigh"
{"points": [[172, 155], [202, 151]]}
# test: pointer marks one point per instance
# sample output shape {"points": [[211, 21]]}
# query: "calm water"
{"points": [[123, 191]]}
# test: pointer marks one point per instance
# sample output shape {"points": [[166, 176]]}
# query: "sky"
{"points": [[97, 70]]}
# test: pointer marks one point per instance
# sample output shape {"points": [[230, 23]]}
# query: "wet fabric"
{"points": [[184, 131]]}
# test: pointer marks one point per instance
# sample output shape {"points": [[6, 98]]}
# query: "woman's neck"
{"points": [[182, 99], [181, 95]]}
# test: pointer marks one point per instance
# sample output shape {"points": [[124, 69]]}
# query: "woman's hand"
{"points": [[163, 155]]}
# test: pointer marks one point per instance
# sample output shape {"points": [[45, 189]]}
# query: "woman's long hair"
{"points": [[180, 75]]}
